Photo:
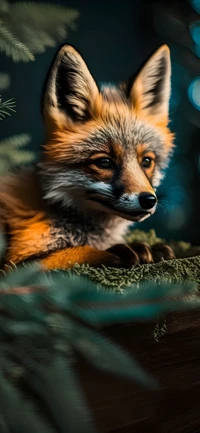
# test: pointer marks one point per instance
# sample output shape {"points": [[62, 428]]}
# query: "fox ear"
{"points": [[150, 91], [70, 90]]}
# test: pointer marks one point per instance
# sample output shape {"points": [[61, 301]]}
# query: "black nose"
{"points": [[146, 200]]}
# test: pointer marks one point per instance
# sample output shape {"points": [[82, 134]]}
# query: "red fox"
{"points": [[102, 159]]}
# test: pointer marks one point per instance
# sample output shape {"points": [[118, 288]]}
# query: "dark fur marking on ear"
{"points": [[63, 70], [47, 78], [130, 81], [156, 90], [66, 88]]}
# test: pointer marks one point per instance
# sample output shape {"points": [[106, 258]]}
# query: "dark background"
{"points": [[115, 38]]}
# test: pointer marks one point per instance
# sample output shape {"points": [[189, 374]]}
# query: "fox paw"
{"points": [[128, 257], [141, 253], [162, 251]]}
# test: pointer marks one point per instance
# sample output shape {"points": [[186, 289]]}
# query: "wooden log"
{"points": [[122, 407]]}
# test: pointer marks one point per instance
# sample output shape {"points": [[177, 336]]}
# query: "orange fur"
{"points": [[23, 216], [66, 258], [23, 213]]}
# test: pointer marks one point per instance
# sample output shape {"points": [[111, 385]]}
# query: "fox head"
{"points": [[106, 147]]}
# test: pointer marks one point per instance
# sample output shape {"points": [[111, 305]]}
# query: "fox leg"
{"points": [[66, 258], [119, 255]]}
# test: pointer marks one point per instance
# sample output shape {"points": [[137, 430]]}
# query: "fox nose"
{"points": [[147, 200]]}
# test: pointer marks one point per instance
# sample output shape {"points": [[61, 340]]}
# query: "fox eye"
{"points": [[147, 161], [104, 162]]}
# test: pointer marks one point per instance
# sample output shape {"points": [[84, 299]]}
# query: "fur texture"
{"points": [[94, 161]]}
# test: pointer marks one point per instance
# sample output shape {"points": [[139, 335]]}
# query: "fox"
{"points": [[104, 154]]}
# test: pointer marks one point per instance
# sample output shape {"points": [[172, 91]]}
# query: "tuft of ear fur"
{"points": [[70, 90], [150, 91]]}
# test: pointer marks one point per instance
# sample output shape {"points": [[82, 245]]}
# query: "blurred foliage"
{"points": [[4, 81], [29, 28], [149, 237], [46, 318], [11, 149], [12, 152]]}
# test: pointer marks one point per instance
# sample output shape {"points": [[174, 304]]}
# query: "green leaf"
{"points": [[21, 276], [107, 356], [56, 384], [138, 303], [18, 414]]}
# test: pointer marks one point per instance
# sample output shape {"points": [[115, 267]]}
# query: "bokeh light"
{"points": [[197, 50], [196, 5], [195, 32], [177, 218], [194, 93]]}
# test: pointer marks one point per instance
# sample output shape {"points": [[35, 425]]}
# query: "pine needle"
{"points": [[28, 28], [15, 141], [12, 153], [12, 47], [6, 108]]}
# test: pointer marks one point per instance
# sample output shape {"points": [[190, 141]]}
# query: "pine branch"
{"points": [[29, 28], [12, 47], [15, 141], [11, 153], [4, 6], [6, 108]]}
